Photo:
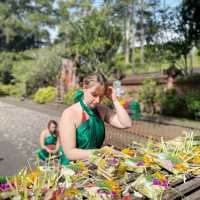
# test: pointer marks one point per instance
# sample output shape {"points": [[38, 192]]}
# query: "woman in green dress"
{"points": [[81, 126], [49, 142]]}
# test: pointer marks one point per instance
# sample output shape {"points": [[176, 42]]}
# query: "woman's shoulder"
{"points": [[72, 112], [45, 132]]}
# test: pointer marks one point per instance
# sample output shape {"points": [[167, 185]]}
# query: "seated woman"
{"points": [[81, 125], [49, 142]]}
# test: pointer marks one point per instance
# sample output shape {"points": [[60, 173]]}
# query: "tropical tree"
{"points": [[24, 23], [95, 38]]}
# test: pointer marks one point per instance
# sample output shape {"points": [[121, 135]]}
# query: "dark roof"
{"points": [[137, 79]]}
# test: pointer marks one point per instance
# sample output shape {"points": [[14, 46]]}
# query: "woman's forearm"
{"points": [[122, 114], [78, 154]]}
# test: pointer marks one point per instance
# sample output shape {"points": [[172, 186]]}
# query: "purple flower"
{"points": [[113, 194], [156, 181], [113, 160], [4, 186], [140, 163]]}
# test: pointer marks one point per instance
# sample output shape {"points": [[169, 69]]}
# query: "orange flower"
{"points": [[160, 176], [181, 166], [71, 192]]}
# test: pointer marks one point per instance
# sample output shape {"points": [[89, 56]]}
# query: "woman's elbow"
{"points": [[69, 154]]}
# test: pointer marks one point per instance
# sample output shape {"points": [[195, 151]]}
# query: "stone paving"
{"points": [[19, 136]]}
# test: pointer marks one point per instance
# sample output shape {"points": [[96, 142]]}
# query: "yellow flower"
{"points": [[128, 151], [148, 159], [102, 163], [197, 149], [33, 176], [160, 176], [81, 165], [113, 185], [122, 102], [196, 160], [121, 169]]}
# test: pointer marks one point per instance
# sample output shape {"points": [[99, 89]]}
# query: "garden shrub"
{"points": [[192, 99], [69, 96], [185, 105], [149, 95], [172, 103], [44, 95], [10, 90]]}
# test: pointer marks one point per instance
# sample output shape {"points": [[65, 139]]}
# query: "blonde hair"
{"points": [[92, 79]]}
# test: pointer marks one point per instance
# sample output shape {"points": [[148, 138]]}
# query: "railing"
{"points": [[141, 131]]}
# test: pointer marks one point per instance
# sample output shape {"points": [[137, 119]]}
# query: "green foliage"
{"points": [[39, 69], [149, 94], [191, 20], [7, 59], [185, 105], [95, 39], [2, 91], [192, 99], [10, 90], [45, 95], [172, 104], [24, 23], [69, 96]]}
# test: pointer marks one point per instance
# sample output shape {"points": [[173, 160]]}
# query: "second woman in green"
{"points": [[49, 141]]}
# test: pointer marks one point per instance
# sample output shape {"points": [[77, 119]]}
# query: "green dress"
{"points": [[49, 140], [90, 134]]}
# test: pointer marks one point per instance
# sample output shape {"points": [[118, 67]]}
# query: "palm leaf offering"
{"points": [[146, 170], [151, 186]]}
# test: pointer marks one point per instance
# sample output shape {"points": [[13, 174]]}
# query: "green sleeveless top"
{"points": [[50, 139], [90, 134]]}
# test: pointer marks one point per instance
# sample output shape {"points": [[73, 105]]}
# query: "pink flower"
{"points": [[168, 164]]}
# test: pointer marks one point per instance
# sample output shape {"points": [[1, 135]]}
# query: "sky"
{"points": [[173, 3], [170, 3]]}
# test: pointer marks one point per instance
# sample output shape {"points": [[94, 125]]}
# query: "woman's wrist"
{"points": [[116, 103]]}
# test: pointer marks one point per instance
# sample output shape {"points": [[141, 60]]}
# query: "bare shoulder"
{"points": [[45, 132], [71, 113]]}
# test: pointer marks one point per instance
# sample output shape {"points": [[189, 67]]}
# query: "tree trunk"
{"points": [[142, 34], [133, 38], [127, 35]]}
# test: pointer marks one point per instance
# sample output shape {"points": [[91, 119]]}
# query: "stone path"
{"points": [[19, 134]]}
